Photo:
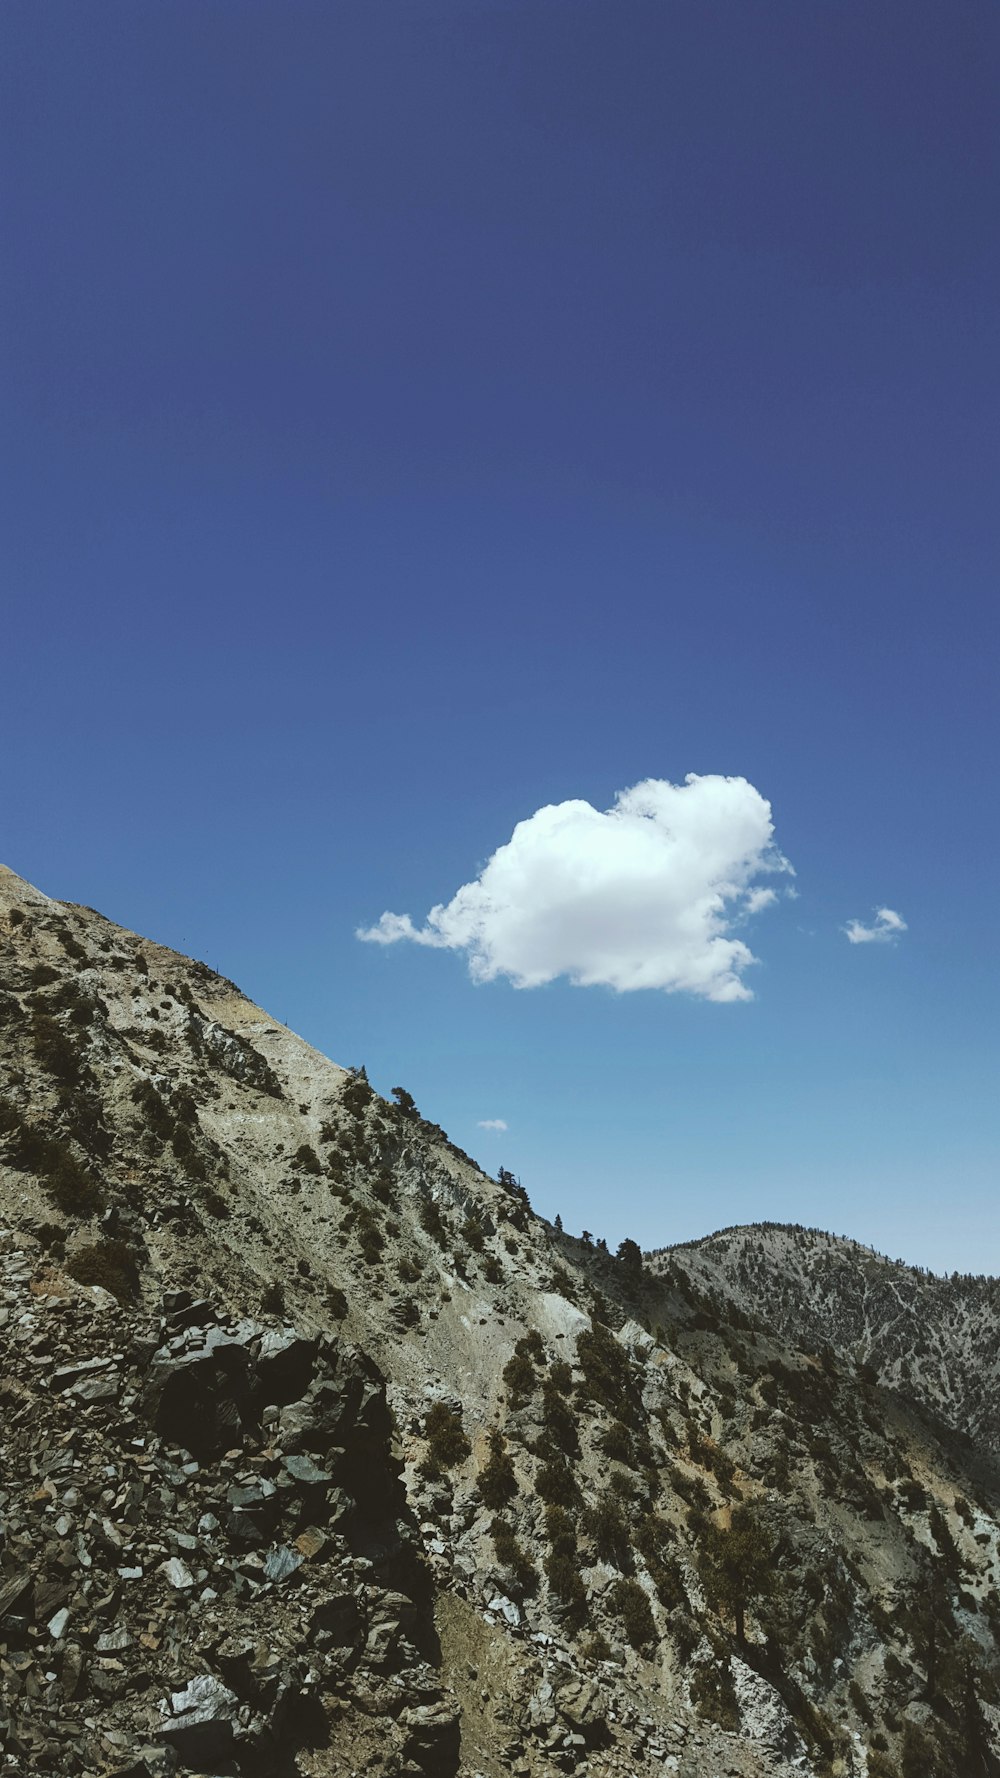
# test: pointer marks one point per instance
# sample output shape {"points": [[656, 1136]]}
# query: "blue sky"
{"points": [[416, 415]]}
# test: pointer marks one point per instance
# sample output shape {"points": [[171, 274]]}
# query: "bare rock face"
{"points": [[324, 1456], [200, 1591]]}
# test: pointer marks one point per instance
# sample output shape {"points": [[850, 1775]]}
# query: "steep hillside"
{"points": [[326, 1455]]}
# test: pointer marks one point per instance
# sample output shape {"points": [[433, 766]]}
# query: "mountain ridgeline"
{"points": [[325, 1455]]}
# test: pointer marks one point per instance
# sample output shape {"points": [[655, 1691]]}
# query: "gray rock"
{"points": [[280, 1563], [177, 1573], [201, 1720], [302, 1469]]}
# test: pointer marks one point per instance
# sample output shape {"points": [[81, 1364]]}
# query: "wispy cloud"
{"points": [[884, 929], [491, 1123], [646, 894]]}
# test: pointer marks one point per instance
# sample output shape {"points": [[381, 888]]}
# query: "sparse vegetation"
{"points": [[72, 1188], [519, 1376], [628, 1601], [735, 1564], [607, 1379], [555, 1485], [567, 1588], [111, 1264], [514, 1558], [497, 1481], [445, 1435], [713, 1694], [606, 1526]]}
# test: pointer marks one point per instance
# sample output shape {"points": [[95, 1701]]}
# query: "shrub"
{"points": [[559, 1423], [713, 1695], [511, 1556], [560, 1531], [497, 1482], [628, 1601], [370, 1238], [690, 1488], [653, 1536], [54, 1050], [155, 1114], [307, 1158], [492, 1270], [356, 1094], [431, 1221], [685, 1634], [185, 1152], [111, 1264], [185, 1108], [914, 1497], [624, 1486], [519, 1376], [563, 1283], [610, 1534], [629, 1256], [560, 1375], [382, 1186], [616, 1442], [445, 1436], [563, 1577], [880, 1765], [72, 1189], [736, 1565], [861, 1705], [472, 1230], [50, 1234], [555, 1485], [607, 1377], [922, 1756]]}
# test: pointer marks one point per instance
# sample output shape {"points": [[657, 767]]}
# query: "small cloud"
{"points": [[650, 893], [758, 899], [885, 928], [491, 1123]]}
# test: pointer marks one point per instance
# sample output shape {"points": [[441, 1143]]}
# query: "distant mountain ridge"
{"points": [[933, 1338]]}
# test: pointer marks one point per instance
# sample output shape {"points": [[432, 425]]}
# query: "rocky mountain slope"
{"points": [[933, 1339], [323, 1454]]}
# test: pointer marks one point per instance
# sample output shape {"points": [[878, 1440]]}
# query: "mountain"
{"points": [[324, 1454], [932, 1339]]}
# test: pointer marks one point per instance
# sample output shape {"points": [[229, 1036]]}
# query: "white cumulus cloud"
{"points": [[886, 926], [491, 1123], [645, 894]]}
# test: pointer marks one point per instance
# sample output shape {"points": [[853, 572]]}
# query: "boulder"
{"points": [[201, 1721]]}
